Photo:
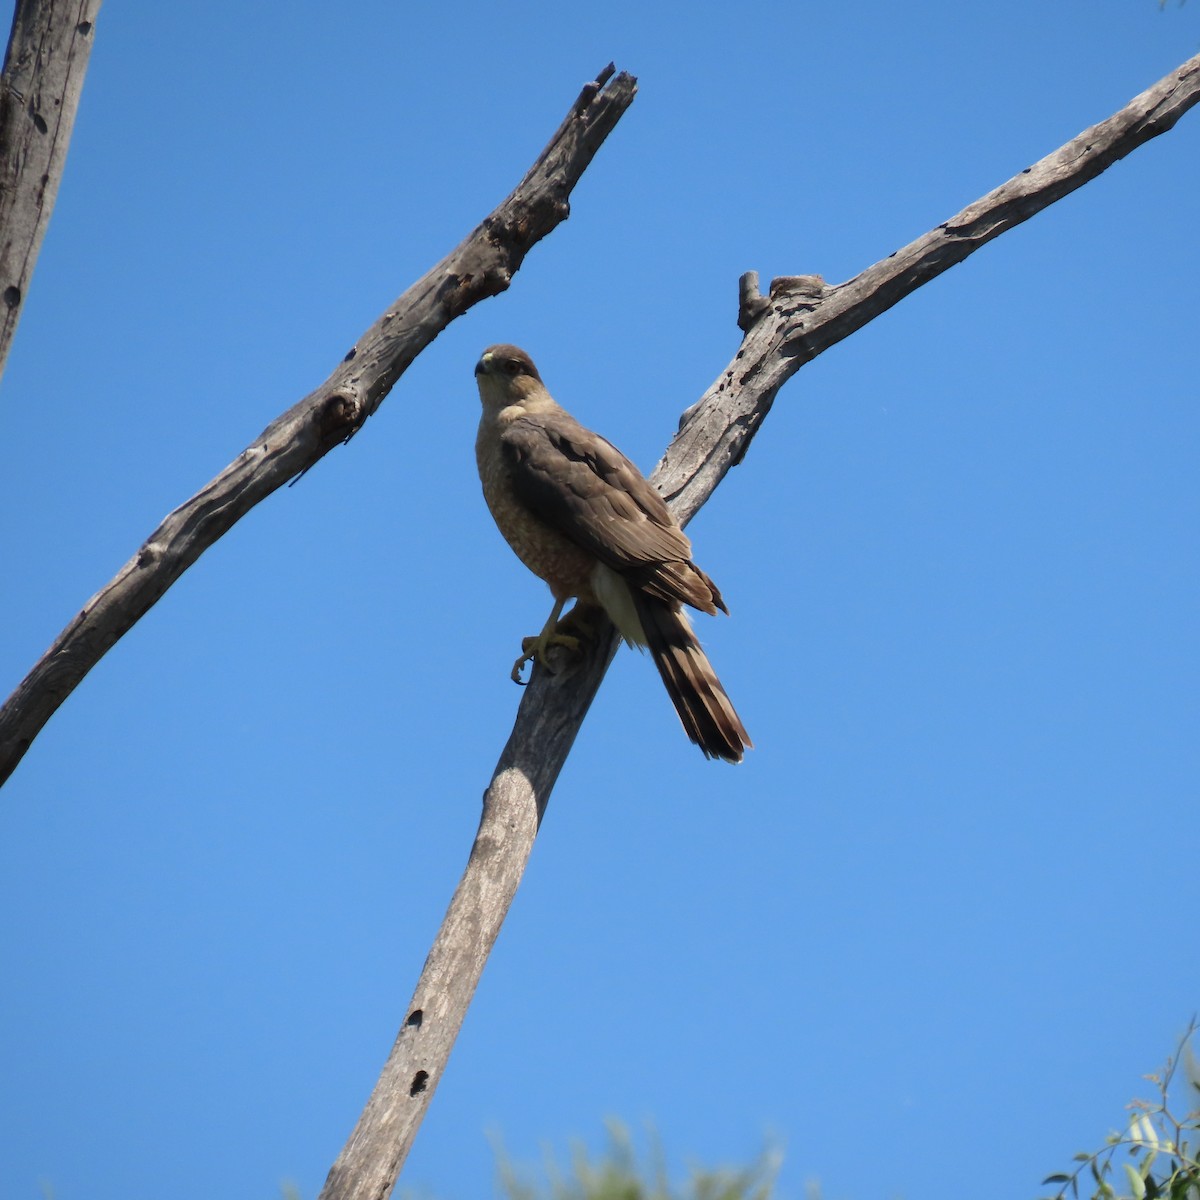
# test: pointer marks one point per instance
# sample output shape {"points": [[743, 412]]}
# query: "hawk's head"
{"points": [[506, 375]]}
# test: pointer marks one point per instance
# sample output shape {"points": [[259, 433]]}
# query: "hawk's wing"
{"points": [[583, 486]]}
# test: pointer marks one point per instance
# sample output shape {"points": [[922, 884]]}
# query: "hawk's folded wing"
{"points": [[583, 486]]}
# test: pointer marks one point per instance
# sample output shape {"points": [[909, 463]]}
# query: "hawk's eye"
{"points": [[512, 366]]}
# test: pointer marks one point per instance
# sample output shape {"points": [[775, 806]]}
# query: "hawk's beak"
{"points": [[484, 365]]}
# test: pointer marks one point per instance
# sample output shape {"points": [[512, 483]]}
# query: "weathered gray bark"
{"points": [[483, 265], [513, 804], [801, 317], [47, 58]]}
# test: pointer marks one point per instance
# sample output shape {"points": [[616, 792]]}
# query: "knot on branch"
{"points": [[514, 227], [338, 418], [786, 291], [806, 289], [458, 292]]}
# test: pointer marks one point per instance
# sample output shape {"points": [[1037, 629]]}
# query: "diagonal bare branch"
{"points": [[47, 58], [482, 266], [801, 317]]}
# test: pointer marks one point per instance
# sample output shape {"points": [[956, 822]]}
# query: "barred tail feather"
{"points": [[708, 716]]}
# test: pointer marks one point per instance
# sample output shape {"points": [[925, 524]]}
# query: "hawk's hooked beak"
{"points": [[484, 365]]}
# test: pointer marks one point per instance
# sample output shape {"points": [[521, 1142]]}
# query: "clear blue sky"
{"points": [[934, 930]]}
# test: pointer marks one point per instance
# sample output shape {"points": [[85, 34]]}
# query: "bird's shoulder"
{"points": [[580, 482], [554, 443]]}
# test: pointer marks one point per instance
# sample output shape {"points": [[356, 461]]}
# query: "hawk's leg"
{"points": [[582, 622], [533, 649]]}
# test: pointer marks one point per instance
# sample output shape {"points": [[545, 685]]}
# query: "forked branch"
{"points": [[801, 317]]}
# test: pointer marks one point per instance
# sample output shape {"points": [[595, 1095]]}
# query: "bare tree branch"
{"points": [[482, 266], [47, 58], [801, 317], [369, 1163]]}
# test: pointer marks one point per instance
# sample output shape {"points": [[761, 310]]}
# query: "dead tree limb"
{"points": [[801, 317], [482, 266], [47, 58]]}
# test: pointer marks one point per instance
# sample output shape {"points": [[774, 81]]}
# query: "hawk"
{"points": [[581, 516]]}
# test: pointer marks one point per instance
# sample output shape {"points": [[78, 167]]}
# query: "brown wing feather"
{"points": [[582, 485]]}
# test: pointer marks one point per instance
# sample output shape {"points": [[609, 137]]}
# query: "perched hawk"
{"points": [[580, 515]]}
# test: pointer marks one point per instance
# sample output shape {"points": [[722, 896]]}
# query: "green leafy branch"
{"points": [[1158, 1151]]}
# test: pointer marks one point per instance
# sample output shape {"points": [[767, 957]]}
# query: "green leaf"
{"points": [[1056, 1179], [1137, 1185]]}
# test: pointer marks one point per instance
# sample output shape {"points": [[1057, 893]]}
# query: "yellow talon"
{"points": [[533, 649], [554, 633]]}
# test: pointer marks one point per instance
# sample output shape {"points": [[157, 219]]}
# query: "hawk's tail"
{"points": [[708, 716]]}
